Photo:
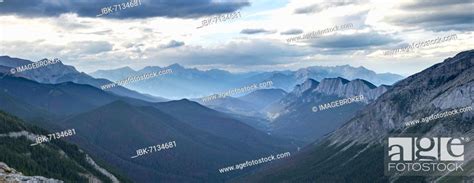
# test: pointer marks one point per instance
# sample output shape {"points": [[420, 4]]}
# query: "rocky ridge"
{"points": [[444, 86], [10, 175]]}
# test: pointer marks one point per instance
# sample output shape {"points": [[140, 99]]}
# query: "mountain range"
{"points": [[194, 83], [295, 117], [60, 73], [206, 139], [291, 115], [338, 144], [355, 151]]}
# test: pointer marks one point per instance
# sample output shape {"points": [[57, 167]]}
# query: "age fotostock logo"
{"points": [[414, 156]]}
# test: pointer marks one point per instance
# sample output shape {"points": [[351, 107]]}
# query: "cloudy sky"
{"points": [[163, 32]]}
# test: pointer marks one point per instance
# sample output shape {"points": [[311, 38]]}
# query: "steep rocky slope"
{"points": [[355, 152]]}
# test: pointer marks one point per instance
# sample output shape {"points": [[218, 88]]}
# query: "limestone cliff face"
{"points": [[331, 86], [308, 84], [293, 116], [311, 91], [344, 88], [345, 71], [278, 108]]}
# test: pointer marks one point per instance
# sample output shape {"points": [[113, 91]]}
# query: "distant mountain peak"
{"points": [[309, 84], [125, 69], [278, 74], [176, 66], [150, 68], [268, 90], [342, 87], [369, 84], [329, 82], [12, 61], [183, 102]]}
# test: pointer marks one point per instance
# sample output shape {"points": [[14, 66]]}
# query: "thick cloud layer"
{"points": [[435, 15], [148, 8], [257, 40]]}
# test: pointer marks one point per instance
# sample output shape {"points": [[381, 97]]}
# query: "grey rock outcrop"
{"points": [[308, 84], [10, 175]]}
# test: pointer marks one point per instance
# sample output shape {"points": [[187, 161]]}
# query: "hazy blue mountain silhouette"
{"points": [[194, 83]]}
